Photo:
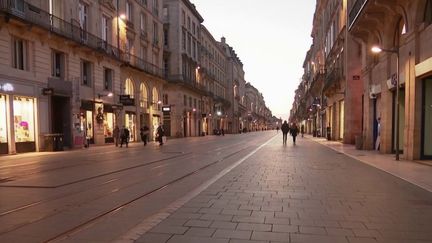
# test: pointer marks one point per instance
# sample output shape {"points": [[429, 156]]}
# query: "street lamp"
{"points": [[377, 49]]}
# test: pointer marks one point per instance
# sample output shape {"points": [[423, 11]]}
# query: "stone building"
{"points": [[66, 64], [403, 30]]}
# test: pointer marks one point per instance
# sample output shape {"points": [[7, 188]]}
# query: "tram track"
{"points": [[121, 206]]}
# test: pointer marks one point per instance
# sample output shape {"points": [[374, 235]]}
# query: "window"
{"points": [[155, 33], [143, 96], [195, 103], [18, 5], [166, 66], [108, 79], [189, 44], [188, 23], [129, 88], [428, 12], [143, 21], [155, 95], [143, 52], [193, 28], [183, 18], [184, 40], [24, 119], [129, 11], [86, 73], [156, 7], [165, 37], [83, 19], [3, 126], [165, 98], [184, 100], [104, 29], [19, 54], [190, 101], [193, 49], [58, 64]]}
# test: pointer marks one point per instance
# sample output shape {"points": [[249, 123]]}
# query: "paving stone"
{"points": [[313, 230], [153, 238], [305, 238], [245, 219], [339, 231], [169, 229], [285, 228], [198, 223], [195, 239], [254, 227], [236, 212], [216, 217], [246, 241], [362, 240], [352, 225], [223, 225], [272, 236], [204, 232], [232, 234]]}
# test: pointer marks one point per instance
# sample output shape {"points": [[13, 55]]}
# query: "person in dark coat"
{"points": [[116, 135], [125, 137], [285, 129], [160, 133], [294, 131], [144, 132]]}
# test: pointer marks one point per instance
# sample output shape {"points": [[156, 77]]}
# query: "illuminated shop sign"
{"points": [[6, 87]]}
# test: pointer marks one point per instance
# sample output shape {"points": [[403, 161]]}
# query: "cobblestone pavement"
{"points": [[304, 193]]}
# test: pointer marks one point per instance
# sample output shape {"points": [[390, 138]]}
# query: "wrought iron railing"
{"points": [[181, 78], [333, 76], [355, 12], [73, 31]]}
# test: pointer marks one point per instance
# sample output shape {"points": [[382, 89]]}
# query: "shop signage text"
{"points": [[126, 100], [6, 87]]}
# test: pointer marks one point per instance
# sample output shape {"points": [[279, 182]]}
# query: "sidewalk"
{"points": [[415, 172]]}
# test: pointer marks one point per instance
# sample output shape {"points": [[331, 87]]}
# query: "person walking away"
{"points": [[126, 135], [285, 129], [122, 136], [116, 134], [145, 131], [302, 128], [277, 129], [160, 133], [294, 132]]}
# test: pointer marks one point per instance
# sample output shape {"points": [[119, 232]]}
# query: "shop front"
{"points": [[3, 125], [24, 124], [108, 123], [130, 121], [426, 152], [156, 120], [86, 120]]}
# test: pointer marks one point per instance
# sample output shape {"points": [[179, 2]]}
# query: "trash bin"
{"points": [[359, 142], [53, 142]]}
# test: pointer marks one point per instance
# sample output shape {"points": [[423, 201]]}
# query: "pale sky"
{"points": [[271, 37]]}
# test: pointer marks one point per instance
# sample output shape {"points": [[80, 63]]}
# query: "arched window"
{"points": [[129, 88], [155, 96], [143, 95], [428, 12]]}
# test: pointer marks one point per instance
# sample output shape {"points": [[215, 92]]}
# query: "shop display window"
{"points": [[89, 124], [24, 123], [130, 124], [3, 126], [109, 119]]}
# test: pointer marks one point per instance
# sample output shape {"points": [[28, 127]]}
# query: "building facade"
{"points": [[386, 95], [67, 63]]}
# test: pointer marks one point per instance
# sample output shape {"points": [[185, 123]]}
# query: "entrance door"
{"points": [[61, 118], [401, 120], [427, 119]]}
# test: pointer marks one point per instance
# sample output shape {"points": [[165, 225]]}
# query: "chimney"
{"points": [[223, 40]]}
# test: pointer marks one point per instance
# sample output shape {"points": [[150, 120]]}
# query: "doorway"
{"points": [[61, 118], [426, 152]]}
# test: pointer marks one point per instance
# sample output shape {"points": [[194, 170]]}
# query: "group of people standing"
{"points": [[293, 130], [122, 136]]}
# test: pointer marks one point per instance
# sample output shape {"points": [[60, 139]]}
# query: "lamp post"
{"points": [[377, 49]]}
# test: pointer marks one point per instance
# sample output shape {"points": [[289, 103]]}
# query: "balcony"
{"points": [[332, 80], [355, 12], [188, 82], [35, 16]]}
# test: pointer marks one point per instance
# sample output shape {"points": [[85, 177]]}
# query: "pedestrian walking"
{"points": [[160, 133], [302, 128], [144, 132], [277, 129], [125, 137], [294, 131], [285, 129], [116, 135]]}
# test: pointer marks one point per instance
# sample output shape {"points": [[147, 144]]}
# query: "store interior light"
{"points": [[122, 16], [376, 49]]}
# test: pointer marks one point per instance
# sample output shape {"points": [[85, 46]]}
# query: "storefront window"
{"points": [[89, 124], [130, 124], [108, 124], [427, 132], [3, 128], [24, 119]]}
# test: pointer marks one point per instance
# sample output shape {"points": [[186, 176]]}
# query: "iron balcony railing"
{"points": [[332, 77], [355, 12], [72, 31], [183, 79]]}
